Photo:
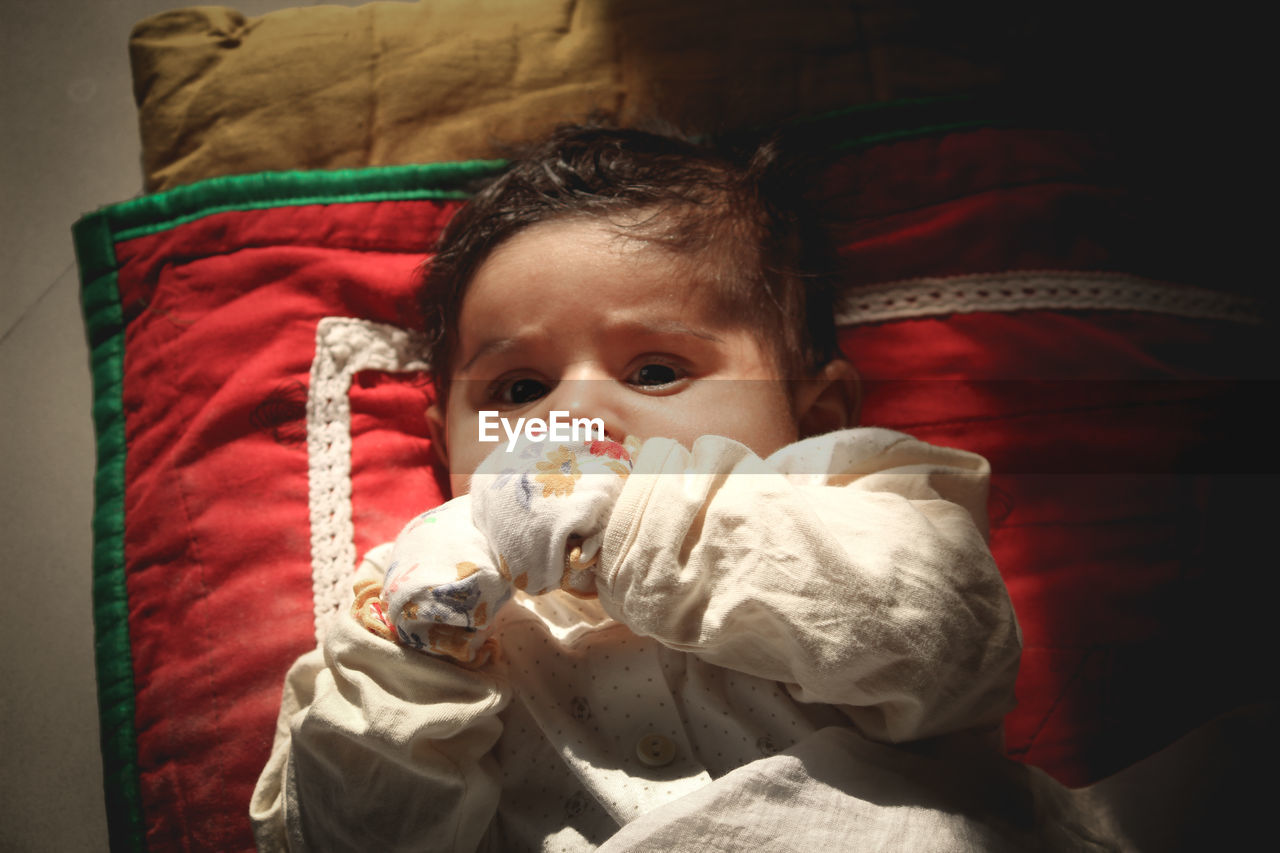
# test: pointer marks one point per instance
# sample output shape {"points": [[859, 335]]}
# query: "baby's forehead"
{"points": [[608, 265], [707, 257], [639, 265]]}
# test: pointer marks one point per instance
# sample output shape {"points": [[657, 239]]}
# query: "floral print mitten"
{"points": [[543, 507], [443, 586], [534, 521]]}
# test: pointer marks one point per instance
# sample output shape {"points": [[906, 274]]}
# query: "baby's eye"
{"points": [[655, 375], [518, 391]]}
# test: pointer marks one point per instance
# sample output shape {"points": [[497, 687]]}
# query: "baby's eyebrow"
{"points": [[492, 347], [668, 327], [674, 327]]}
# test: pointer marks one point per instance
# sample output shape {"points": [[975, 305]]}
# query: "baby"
{"points": [[724, 619]]}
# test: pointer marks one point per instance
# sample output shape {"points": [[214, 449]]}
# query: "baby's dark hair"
{"points": [[742, 219]]}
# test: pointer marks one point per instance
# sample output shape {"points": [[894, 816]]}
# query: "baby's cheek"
{"points": [[761, 419], [459, 484], [768, 439], [465, 452]]}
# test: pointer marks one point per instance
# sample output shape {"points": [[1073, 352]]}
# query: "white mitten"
{"points": [[543, 507], [443, 587]]}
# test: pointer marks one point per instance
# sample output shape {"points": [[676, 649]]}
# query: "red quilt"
{"points": [[998, 304]]}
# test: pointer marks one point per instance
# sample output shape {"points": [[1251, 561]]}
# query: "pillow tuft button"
{"points": [[655, 750]]}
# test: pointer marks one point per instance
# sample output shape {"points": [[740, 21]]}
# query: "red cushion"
{"points": [[1112, 497], [1111, 434]]}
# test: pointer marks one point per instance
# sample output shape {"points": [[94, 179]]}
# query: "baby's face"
{"points": [[569, 316]]}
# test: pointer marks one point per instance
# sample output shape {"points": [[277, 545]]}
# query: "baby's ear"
{"points": [[829, 400]]}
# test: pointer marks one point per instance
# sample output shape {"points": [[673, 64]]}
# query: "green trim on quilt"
{"points": [[161, 211], [104, 323], [153, 213], [867, 125], [915, 133], [899, 104]]}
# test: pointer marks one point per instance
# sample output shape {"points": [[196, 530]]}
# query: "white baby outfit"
{"points": [[782, 653]]}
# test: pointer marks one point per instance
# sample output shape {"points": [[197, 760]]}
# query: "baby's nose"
{"points": [[590, 397]]}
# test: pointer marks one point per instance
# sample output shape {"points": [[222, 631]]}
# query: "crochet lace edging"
{"points": [[344, 347], [1037, 291]]}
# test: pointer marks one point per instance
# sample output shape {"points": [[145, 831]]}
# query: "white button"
{"points": [[655, 750]]}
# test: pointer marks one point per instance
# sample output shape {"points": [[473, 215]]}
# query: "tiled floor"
{"points": [[70, 145]]}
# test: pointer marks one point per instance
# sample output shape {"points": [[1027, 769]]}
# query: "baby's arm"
{"points": [[379, 747], [876, 595]]}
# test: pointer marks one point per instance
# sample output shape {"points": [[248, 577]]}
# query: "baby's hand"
{"points": [[543, 507], [443, 587]]}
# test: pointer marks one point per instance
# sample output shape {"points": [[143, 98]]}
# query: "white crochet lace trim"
{"points": [[344, 346], [1037, 291]]}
